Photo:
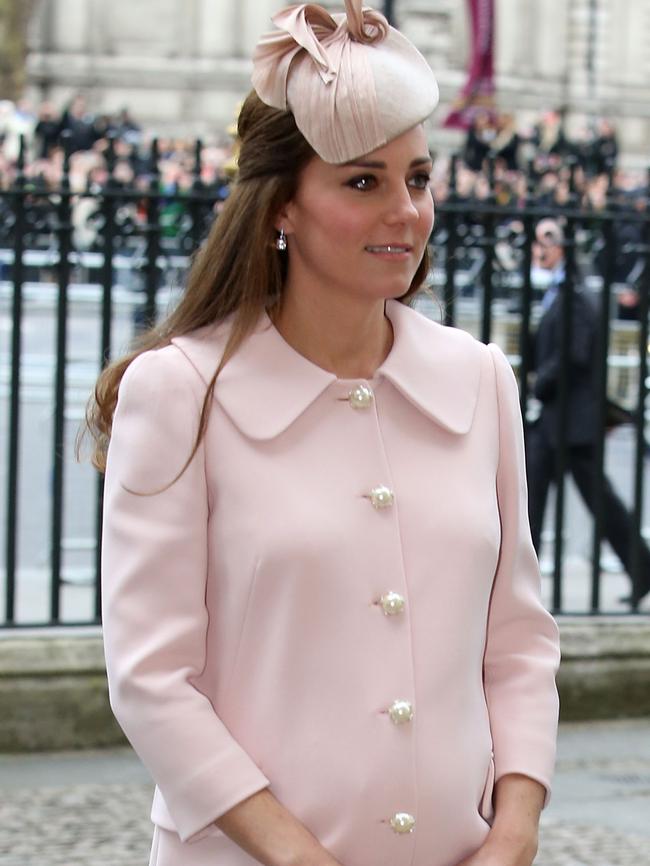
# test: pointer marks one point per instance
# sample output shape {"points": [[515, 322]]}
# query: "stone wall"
{"points": [[53, 689], [182, 65]]}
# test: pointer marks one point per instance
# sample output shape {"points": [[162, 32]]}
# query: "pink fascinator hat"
{"points": [[351, 81]]}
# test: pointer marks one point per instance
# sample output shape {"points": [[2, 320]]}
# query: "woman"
{"points": [[321, 604]]}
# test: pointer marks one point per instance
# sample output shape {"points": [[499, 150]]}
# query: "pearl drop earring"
{"points": [[281, 241]]}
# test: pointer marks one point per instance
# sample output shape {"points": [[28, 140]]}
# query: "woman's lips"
{"points": [[391, 252]]}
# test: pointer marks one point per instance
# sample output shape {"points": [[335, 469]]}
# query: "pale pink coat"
{"points": [[245, 641]]}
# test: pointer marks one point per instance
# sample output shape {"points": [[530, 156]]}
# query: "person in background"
{"points": [[79, 126], [550, 139], [479, 140], [582, 430], [47, 130], [16, 121], [505, 145], [127, 129], [605, 147]]}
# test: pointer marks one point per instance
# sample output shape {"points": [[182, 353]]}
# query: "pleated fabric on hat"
{"points": [[351, 80]]}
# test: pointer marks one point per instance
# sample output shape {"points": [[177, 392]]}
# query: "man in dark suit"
{"points": [[582, 418]]}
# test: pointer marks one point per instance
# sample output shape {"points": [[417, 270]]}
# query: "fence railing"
{"points": [[82, 272]]}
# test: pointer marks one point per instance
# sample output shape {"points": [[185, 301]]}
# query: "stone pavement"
{"points": [[91, 808]]}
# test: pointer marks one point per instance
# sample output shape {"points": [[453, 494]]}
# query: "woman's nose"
{"points": [[400, 207]]}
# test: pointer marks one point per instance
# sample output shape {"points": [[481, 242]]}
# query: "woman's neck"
{"points": [[349, 339]]}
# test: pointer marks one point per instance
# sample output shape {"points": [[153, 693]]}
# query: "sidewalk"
{"points": [[91, 808]]}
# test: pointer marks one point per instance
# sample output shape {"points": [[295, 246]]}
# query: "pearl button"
{"points": [[360, 397], [401, 712], [392, 603], [402, 822], [381, 497]]}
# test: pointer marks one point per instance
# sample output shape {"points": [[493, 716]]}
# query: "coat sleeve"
{"points": [[522, 647], [154, 571]]}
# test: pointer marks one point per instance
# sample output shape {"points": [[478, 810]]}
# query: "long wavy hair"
{"points": [[237, 272]]}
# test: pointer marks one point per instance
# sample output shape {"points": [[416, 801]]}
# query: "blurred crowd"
{"points": [[86, 136], [541, 163]]}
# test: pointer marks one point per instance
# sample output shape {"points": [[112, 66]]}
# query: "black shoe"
{"points": [[633, 600]]}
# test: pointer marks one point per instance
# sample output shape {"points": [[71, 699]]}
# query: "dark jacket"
{"points": [[582, 404]]}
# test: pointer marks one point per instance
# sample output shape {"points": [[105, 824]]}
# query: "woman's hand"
{"points": [[504, 852], [267, 831], [512, 841]]}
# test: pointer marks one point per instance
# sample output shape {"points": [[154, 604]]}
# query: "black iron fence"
{"points": [[82, 271]]}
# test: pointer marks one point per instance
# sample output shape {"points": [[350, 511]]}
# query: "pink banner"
{"points": [[478, 92]]}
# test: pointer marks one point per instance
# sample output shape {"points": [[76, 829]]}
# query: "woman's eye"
{"points": [[420, 180], [363, 183]]}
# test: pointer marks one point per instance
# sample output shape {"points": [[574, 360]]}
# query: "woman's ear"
{"points": [[284, 219]]}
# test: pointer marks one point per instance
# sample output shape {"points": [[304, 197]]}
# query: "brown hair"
{"points": [[225, 279]]}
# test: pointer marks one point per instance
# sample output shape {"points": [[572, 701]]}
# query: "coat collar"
{"points": [[266, 385]]}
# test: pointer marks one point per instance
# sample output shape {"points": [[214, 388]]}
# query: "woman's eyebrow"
{"points": [[422, 160]]}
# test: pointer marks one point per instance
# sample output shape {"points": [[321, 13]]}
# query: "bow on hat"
{"points": [[311, 28]]}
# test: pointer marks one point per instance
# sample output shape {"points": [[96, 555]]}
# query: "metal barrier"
{"points": [[67, 309]]}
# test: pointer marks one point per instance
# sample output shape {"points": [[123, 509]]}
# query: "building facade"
{"points": [[182, 66]]}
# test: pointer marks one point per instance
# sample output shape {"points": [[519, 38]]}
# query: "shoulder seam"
{"points": [[187, 365], [189, 362]]}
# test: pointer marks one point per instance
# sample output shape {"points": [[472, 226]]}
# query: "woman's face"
{"points": [[361, 228]]}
